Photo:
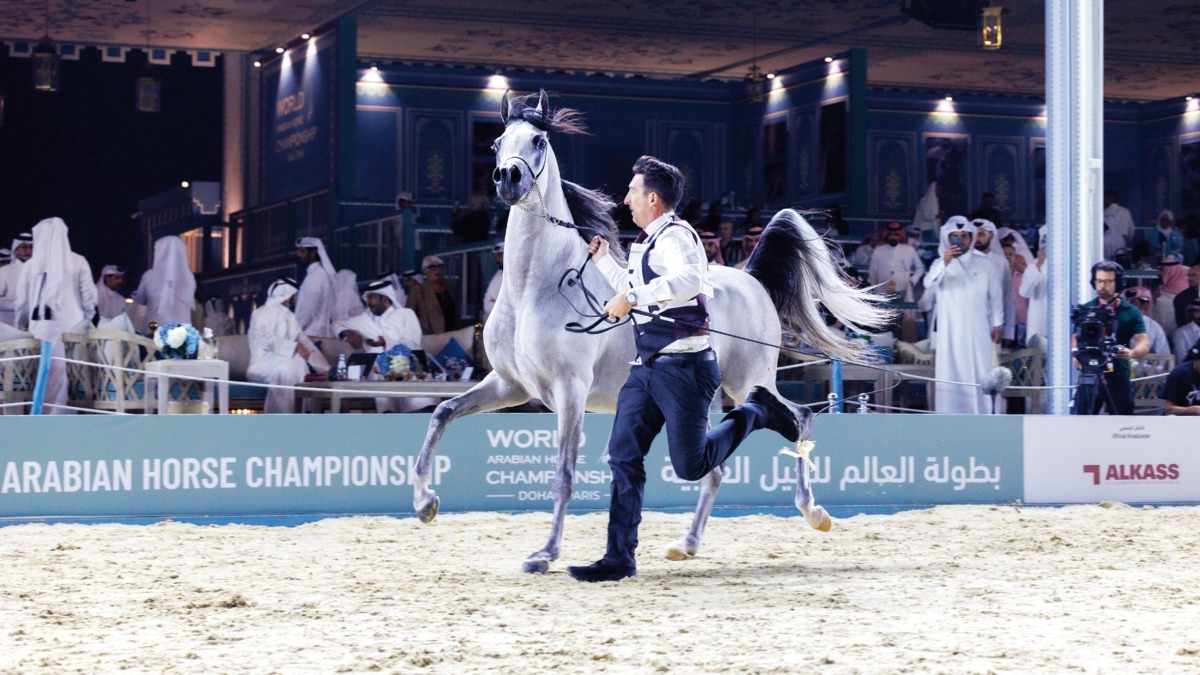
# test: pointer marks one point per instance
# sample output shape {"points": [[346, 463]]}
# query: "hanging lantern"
{"points": [[147, 92], [46, 64], [989, 27], [755, 81]]}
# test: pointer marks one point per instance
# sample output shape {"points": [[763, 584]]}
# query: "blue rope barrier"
{"points": [[43, 374]]}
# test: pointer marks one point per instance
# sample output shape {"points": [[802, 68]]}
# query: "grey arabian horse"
{"points": [[534, 357]]}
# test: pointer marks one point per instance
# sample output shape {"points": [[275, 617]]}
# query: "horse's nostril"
{"points": [[497, 175], [515, 174]]}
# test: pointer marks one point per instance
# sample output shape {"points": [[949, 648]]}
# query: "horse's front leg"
{"points": [[814, 515], [490, 394], [569, 398]]}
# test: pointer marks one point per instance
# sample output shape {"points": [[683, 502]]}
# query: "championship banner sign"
{"points": [[297, 90], [198, 465]]}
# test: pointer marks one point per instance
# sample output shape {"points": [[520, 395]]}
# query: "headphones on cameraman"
{"points": [[1108, 263]]}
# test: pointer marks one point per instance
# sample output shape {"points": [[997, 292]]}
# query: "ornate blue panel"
{"points": [[1000, 172], [687, 146], [892, 167], [806, 175], [377, 152], [1160, 175], [747, 144], [436, 166]]}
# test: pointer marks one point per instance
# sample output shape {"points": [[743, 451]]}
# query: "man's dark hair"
{"points": [[1108, 266], [660, 177]]}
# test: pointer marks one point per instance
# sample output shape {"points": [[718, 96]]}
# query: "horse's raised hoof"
{"points": [[535, 566], [429, 512], [818, 518], [680, 550]]}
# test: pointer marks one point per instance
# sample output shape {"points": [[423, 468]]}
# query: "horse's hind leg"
{"points": [[814, 515], [490, 394], [689, 545]]}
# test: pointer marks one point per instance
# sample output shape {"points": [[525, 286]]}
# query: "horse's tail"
{"points": [[794, 264]]}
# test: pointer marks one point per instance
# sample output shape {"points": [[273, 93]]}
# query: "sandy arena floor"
{"points": [[952, 589]]}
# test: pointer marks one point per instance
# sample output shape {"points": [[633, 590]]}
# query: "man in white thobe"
{"points": [[385, 325], [986, 243], [55, 294], [895, 270], [168, 288], [969, 316], [22, 249], [493, 290], [280, 353], [1118, 225], [1033, 288], [928, 215], [318, 294], [110, 302]]}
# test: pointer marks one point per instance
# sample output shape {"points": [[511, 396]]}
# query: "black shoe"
{"points": [[780, 418], [602, 570]]}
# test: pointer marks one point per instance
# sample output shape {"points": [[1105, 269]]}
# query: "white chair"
{"points": [[17, 377], [1148, 394], [1028, 367], [119, 390], [81, 379]]}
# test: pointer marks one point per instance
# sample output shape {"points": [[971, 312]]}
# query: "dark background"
{"points": [[85, 155]]}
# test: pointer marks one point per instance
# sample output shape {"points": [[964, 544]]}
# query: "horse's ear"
{"points": [[541, 106], [504, 107]]}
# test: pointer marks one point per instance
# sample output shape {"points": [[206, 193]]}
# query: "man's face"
{"points": [[750, 241], [1194, 315], [983, 239], [290, 303], [640, 202], [960, 239], [1106, 285], [726, 231], [710, 247], [1193, 276], [24, 252], [434, 272], [114, 281], [1164, 221], [378, 304], [500, 259], [306, 256], [892, 238], [1009, 253]]}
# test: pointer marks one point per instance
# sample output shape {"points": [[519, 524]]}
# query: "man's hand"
{"points": [[598, 248], [302, 351], [996, 334], [952, 252], [377, 342], [1019, 264], [1122, 352], [355, 339], [616, 307]]}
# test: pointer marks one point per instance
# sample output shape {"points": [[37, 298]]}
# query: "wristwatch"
{"points": [[631, 298]]}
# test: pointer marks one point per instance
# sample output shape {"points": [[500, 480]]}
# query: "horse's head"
{"points": [[523, 151]]}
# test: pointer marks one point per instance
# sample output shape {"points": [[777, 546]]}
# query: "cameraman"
{"points": [[1130, 330]]}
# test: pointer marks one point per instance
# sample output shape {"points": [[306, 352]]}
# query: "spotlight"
{"points": [[770, 76], [374, 68], [185, 184], [304, 36], [949, 97], [258, 64], [279, 50], [1189, 98], [828, 59]]}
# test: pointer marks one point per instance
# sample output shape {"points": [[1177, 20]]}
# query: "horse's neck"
{"points": [[536, 251]]}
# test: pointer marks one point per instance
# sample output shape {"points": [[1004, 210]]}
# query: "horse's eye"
{"points": [[540, 142]]}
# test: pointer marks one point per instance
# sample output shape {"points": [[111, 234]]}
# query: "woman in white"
{"points": [[55, 294], [279, 352], [969, 317], [168, 289]]}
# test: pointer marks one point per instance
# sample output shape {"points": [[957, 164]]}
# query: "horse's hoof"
{"points": [[819, 518], [537, 566], [680, 551], [428, 513]]}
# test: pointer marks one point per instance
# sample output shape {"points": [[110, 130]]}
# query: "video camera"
{"points": [[1095, 342]]}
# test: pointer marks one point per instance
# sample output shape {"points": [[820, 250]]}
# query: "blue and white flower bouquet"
{"points": [[177, 340], [398, 363]]}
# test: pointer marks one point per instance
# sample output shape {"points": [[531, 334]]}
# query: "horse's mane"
{"points": [[592, 210], [562, 120]]}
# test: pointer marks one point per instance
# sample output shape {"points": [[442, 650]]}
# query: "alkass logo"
{"points": [[1132, 472]]}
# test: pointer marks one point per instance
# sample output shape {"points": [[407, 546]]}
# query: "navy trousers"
{"points": [[676, 392]]}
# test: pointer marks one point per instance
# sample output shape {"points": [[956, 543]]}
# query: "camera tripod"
{"points": [[1090, 387]]}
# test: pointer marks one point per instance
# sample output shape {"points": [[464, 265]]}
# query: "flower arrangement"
{"points": [[398, 363], [177, 340]]}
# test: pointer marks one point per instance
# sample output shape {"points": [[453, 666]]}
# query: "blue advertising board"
{"points": [[212, 465], [298, 118]]}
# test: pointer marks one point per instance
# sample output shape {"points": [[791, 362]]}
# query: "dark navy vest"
{"points": [[655, 334]]}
